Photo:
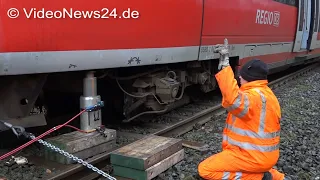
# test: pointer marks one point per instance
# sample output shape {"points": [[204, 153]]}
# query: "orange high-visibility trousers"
{"points": [[230, 164]]}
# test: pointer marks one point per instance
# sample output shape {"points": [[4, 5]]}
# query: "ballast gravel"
{"points": [[300, 135]]}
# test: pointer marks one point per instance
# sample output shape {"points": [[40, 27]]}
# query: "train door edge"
{"points": [[303, 26], [314, 39]]}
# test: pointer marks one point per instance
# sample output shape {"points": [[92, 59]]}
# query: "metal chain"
{"points": [[68, 155]]}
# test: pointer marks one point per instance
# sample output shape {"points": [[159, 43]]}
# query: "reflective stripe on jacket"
{"points": [[253, 122]]}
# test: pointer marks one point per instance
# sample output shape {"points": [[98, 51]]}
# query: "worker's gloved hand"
{"points": [[223, 49]]}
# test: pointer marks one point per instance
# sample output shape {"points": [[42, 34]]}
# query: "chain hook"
{"points": [[17, 130]]}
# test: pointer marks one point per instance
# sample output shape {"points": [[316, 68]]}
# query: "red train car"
{"points": [[144, 53]]}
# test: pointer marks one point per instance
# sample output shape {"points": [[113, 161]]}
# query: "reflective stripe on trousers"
{"points": [[226, 175], [261, 134]]}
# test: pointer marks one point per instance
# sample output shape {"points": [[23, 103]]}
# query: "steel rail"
{"points": [[179, 128]]}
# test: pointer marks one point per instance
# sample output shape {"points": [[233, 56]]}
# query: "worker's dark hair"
{"points": [[254, 70]]}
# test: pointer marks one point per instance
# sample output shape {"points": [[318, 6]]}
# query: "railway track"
{"points": [[189, 117]]}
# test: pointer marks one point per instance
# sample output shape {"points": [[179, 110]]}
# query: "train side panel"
{"points": [[255, 22], [264, 29], [165, 32]]}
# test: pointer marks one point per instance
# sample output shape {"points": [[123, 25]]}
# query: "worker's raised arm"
{"points": [[235, 101]]}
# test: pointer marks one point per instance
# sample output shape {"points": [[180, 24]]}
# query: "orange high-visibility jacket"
{"points": [[253, 121]]}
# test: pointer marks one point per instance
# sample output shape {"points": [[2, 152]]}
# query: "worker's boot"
{"points": [[267, 176]]}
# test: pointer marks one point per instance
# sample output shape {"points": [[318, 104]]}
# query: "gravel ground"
{"points": [[300, 137], [27, 170], [12, 171]]}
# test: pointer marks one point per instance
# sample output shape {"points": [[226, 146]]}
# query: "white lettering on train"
{"points": [[268, 17]]}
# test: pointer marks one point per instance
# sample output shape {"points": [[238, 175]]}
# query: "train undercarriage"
{"points": [[32, 100]]}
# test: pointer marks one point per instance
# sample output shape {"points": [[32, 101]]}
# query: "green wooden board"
{"points": [[152, 171], [129, 173], [146, 152]]}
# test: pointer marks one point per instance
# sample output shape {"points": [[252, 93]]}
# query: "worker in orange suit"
{"points": [[251, 135]]}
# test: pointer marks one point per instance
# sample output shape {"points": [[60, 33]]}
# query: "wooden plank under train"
{"points": [[145, 152], [152, 171]]}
